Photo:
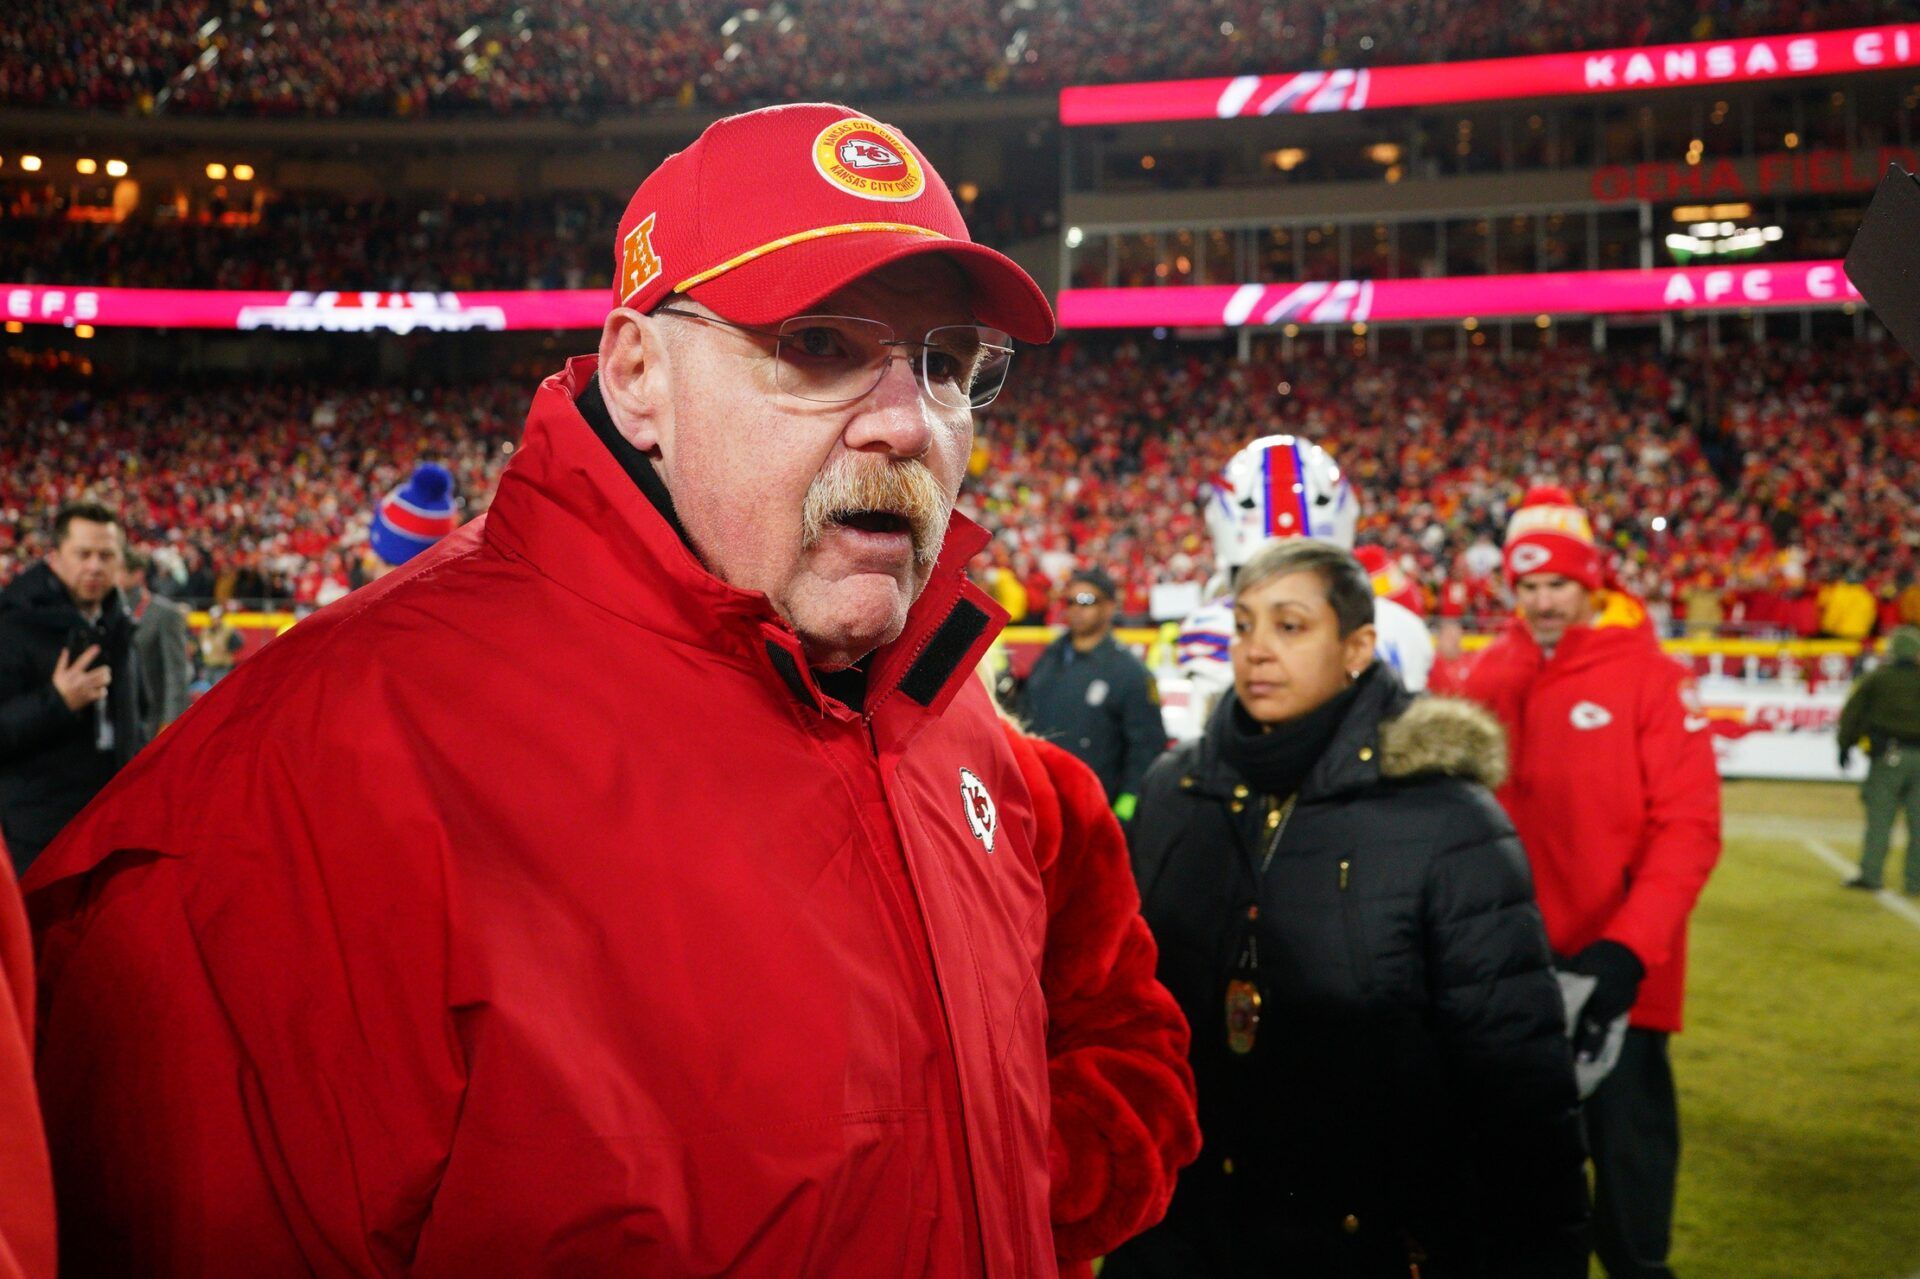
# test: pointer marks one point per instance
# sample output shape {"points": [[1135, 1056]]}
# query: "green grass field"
{"points": [[1799, 1071]]}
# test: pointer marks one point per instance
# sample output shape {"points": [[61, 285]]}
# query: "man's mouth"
{"points": [[869, 521]]}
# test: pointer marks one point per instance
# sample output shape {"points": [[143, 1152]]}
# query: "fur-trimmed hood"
{"points": [[1447, 736]]}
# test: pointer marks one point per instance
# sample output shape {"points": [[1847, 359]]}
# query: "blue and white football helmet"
{"points": [[1278, 486]]}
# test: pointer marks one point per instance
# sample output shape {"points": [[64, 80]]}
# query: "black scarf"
{"points": [[1276, 759]]}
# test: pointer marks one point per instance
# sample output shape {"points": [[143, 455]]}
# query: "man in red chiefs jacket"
{"points": [[1617, 800], [637, 882]]}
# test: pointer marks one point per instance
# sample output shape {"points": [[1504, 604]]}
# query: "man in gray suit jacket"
{"points": [[161, 645]]}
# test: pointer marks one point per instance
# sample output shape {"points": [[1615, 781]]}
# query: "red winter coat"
{"points": [[1123, 1098], [1614, 792], [26, 1188], [532, 912]]}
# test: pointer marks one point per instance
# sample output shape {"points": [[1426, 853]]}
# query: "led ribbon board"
{"points": [[1666, 66]]}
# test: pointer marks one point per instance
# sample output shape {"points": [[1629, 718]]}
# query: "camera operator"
{"points": [[69, 693]]}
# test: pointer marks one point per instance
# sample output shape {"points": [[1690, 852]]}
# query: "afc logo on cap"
{"points": [[869, 160], [639, 264]]}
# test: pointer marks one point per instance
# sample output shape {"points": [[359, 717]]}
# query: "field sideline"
{"points": [[1799, 1071]]}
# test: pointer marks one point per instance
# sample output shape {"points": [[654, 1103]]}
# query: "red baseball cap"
{"points": [[770, 211]]}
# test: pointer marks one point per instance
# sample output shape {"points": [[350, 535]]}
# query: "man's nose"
{"points": [[895, 417]]}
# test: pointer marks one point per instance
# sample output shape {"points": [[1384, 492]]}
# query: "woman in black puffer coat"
{"points": [[1345, 916]]}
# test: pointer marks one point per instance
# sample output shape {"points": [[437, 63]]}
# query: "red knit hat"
{"points": [[770, 211], [1550, 534]]}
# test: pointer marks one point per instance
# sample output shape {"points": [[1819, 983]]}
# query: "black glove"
{"points": [[1846, 757], [1619, 971]]}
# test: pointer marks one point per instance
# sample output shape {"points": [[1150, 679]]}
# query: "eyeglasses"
{"points": [[836, 359], [1084, 598]]}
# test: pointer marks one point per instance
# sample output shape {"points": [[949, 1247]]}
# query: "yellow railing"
{"points": [[1145, 637]]}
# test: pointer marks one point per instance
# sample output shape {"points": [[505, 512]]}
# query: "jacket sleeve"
{"points": [[1502, 1024], [176, 669], [1122, 1091], [1681, 843], [26, 1185], [243, 1071], [1144, 729], [1853, 715]]}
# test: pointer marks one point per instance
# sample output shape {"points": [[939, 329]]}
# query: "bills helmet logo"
{"points": [[983, 819]]}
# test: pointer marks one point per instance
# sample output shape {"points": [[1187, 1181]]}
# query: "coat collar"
{"points": [[1351, 761], [588, 516]]}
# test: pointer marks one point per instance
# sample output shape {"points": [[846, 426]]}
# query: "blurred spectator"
{"points": [[1848, 610], [1093, 697], [70, 709], [161, 645]]}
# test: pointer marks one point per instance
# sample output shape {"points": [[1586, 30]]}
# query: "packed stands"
{"points": [[313, 58], [1097, 450], [315, 240]]}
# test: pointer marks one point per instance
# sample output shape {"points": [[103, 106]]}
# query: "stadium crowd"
{"points": [[328, 241], [310, 58], [1794, 516]]}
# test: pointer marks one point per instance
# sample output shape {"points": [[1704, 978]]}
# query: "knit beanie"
{"points": [[415, 515], [1550, 534]]}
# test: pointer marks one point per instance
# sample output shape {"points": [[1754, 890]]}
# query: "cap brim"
{"points": [[787, 281]]}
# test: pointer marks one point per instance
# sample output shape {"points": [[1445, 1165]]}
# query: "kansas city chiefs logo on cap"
{"points": [[867, 159], [865, 153]]}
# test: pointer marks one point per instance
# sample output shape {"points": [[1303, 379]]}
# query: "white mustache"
{"points": [[907, 489]]}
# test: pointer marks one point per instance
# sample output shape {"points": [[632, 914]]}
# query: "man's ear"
{"points": [[635, 380]]}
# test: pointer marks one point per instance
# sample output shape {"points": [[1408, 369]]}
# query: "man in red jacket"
{"points": [[1617, 800], [637, 882]]}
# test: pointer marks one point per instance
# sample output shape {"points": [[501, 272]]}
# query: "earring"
{"points": [[1353, 677]]}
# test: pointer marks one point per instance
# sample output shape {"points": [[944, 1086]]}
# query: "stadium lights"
{"points": [[116, 168], [1712, 212], [1387, 153], [1287, 159], [1075, 237], [1146, 162], [1470, 324], [967, 191], [243, 173], [217, 171], [87, 166], [1543, 321], [1659, 523], [15, 326], [1791, 141], [31, 163], [83, 331]]}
